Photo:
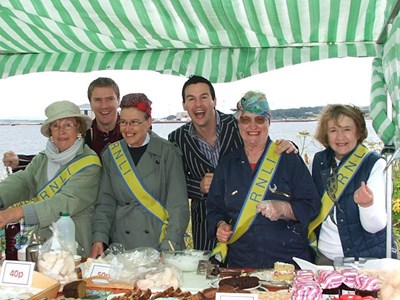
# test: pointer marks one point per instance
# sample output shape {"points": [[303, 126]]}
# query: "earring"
{"points": [[51, 139], [79, 136]]}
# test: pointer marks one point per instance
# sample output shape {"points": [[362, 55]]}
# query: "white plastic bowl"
{"points": [[185, 260]]}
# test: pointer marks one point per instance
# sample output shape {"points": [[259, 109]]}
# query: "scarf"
{"points": [[56, 158]]}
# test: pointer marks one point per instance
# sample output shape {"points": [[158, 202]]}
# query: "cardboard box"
{"points": [[49, 285]]}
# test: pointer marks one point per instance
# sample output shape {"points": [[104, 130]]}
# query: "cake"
{"points": [[366, 285], [75, 289], [306, 290], [241, 282], [305, 286], [330, 281], [349, 279], [283, 272]]}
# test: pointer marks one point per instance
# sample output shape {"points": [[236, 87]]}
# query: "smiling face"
{"points": [[254, 129], [199, 104], [342, 136], [104, 103], [64, 133], [135, 133]]}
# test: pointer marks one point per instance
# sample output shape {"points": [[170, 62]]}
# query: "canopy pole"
{"points": [[390, 155], [393, 15]]}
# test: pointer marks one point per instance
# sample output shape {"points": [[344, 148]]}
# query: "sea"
{"points": [[27, 139]]}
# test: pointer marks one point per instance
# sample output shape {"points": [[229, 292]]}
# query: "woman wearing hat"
{"points": [[253, 179], [62, 178], [142, 200]]}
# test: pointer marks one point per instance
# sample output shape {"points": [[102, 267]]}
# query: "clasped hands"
{"points": [[271, 209], [275, 210]]}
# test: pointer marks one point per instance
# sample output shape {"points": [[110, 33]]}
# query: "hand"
{"points": [[285, 146], [97, 250], [363, 196], [275, 210], [206, 182], [10, 215], [10, 159], [224, 232]]}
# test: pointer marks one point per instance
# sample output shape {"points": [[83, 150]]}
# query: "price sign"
{"points": [[102, 270], [238, 296], [17, 273]]}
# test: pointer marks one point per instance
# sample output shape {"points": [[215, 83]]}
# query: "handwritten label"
{"points": [[17, 273], [102, 270], [238, 296]]}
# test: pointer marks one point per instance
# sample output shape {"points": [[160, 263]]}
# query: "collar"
{"points": [[145, 142], [192, 128]]}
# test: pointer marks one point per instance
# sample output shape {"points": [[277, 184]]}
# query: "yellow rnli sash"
{"points": [[128, 173], [345, 174], [55, 185], [255, 195]]}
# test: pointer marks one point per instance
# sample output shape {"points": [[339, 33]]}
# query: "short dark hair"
{"points": [[194, 79], [334, 112], [103, 82]]}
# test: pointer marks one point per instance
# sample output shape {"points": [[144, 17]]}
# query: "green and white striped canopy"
{"points": [[223, 40]]}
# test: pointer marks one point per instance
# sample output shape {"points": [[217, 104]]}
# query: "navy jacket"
{"points": [[266, 241], [356, 242]]}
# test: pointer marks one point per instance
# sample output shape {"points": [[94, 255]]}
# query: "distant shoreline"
{"points": [[24, 122]]}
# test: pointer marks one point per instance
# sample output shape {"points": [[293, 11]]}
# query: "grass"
{"points": [[396, 203]]}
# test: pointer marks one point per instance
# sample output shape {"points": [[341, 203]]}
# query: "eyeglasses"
{"points": [[260, 120], [65, 126], [132, 123]]}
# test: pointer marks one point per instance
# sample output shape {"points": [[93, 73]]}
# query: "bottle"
{"points": [[11, 232], [66, 227]]}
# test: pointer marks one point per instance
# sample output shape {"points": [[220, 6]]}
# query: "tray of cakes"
{"points": [[279, 278]]}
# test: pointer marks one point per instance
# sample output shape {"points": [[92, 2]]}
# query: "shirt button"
{"points": [[146, 231], [127, 232]]}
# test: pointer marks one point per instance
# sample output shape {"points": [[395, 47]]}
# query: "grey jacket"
{"points": [[119, 218], [77, 196]]}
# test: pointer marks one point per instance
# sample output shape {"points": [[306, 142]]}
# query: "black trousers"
{"points": [[199, 226]]}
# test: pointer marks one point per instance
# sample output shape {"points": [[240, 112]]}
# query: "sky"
{"points": [[339, 80]]}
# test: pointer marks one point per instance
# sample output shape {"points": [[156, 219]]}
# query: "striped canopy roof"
{"points": [[223, 40]]}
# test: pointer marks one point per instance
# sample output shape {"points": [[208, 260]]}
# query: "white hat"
{"points": [[61, 110]]}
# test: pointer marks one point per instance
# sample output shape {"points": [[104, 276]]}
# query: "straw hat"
{"points": [[61, 110]]}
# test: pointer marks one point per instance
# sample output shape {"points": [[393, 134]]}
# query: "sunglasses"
{"points": [[259, 120]]}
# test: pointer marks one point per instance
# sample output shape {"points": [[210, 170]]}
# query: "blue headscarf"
{"points": [[256, 104]]}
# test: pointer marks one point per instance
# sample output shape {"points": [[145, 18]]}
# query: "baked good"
{"points": [[330, 281], [366, 285], [305, 286], [283, 271], [349, 280], [75, 289], [241, 282], [209, 293], [306, 290]]}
